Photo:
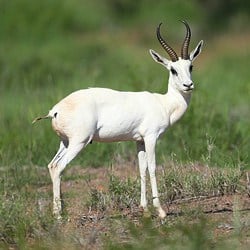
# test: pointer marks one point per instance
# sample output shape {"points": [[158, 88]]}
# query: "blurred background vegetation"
{"points": [[50, 48]]}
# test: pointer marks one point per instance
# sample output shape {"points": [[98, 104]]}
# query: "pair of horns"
{"points": [[169, 50]]}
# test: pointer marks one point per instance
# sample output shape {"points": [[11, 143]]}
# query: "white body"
{"points": [[106, 115]]}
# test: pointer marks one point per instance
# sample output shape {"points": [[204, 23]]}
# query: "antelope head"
{"points": [[180, 67]]}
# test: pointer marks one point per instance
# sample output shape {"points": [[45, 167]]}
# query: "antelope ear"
{"points": [[196, 51], [159, 59]]}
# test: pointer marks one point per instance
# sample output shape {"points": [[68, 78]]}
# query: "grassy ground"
{"points": [[202, 160], [206, 208]]}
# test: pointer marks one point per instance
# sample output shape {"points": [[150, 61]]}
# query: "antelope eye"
{"points": [[191, 68], [173, 71]]}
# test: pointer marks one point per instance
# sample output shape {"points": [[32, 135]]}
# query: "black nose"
{"points": [[188, 85]]}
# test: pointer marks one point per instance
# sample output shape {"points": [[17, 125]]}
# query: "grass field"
{"points": [[52, 48]]}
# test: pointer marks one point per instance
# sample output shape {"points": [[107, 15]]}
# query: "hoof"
{"points": [[162, 213], [57, 214], [58, 217], [146, 213]]}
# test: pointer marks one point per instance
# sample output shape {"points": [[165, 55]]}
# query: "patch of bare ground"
{"points": [[88, 227]]}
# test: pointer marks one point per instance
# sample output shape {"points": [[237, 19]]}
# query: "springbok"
{"points": [[106, 115]]}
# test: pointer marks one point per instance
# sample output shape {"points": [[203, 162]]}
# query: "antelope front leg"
{"points": [[142, 159], [150, 144]]}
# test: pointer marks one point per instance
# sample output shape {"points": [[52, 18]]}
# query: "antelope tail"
{"points": [[40, 118]]}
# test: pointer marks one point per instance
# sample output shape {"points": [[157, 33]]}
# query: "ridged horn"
{"points": [[165, 46], [185, 45]]}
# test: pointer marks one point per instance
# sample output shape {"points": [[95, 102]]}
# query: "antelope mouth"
{"points": [[188, 89]]}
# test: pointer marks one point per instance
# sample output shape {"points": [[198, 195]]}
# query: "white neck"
{"points": [[176, 102]]}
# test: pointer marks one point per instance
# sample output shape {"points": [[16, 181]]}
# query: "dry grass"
{"points": [[96, 211]]}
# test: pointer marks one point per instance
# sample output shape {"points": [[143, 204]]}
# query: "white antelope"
{"points": [[106, 115]]}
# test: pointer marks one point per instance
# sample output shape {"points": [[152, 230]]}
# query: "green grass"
{"points": [[196, 235], [176, 183], [51, 48]]}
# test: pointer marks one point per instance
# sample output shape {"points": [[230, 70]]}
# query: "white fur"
{"points": [[105, 115]]}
